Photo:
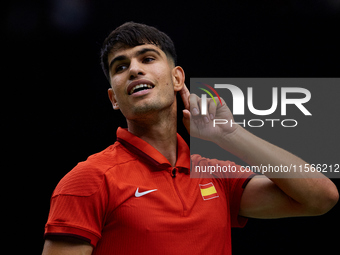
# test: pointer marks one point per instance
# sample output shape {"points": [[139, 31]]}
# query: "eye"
{"points": [[148, 59], [120, 68]]}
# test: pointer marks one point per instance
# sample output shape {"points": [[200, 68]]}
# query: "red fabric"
{"points": [[97, 202]]}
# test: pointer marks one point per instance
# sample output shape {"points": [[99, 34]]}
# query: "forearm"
{"points": [[304, 187], [256, 151]]}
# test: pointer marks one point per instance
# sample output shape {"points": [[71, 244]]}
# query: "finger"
{"points": [[194, 104], [185, 93], [212, 109], [186, 120]]}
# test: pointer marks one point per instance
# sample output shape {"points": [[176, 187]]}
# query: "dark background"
{"points": [[55, 110]]}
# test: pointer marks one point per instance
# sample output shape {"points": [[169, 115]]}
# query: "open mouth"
{"points": [[140, 87]]}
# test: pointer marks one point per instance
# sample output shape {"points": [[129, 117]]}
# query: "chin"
{"points": [[149, 107], [141, 111]]}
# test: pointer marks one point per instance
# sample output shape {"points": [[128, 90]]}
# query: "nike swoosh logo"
{"points": [[140, 194]]}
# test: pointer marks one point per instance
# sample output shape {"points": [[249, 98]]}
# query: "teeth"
{"points": [[140, 86]]}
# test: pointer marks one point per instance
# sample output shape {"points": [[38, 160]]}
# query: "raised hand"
{"points": [[204, 126]]}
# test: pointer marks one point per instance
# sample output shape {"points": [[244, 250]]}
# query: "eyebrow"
{"points": [[138, 53]]}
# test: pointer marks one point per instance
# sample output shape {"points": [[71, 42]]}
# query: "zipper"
{"points": [[173, 175]]}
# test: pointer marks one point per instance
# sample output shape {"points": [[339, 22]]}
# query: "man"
{"points": [[137, 197]]}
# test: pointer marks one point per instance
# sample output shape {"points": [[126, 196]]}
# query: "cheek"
{"points": [[165, 80], [117, 87]]}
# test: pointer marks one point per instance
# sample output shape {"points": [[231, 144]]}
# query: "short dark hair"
{"points": [[132, 34]]}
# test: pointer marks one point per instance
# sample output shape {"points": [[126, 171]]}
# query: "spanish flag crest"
{"points": [[208, 191]]}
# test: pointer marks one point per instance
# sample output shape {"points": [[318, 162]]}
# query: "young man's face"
{"points": [[143, 80]]}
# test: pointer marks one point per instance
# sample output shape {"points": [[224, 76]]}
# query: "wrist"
{"points": [[228, 141]]}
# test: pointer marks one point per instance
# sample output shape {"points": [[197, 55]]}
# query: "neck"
{"points": [[160, 131]]}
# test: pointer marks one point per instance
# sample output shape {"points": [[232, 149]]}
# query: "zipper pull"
{"points": [[173, 173]]}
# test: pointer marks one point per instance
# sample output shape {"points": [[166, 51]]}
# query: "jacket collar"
{"points": [[141, 148]]}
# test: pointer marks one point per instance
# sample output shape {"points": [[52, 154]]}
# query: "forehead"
{"points": [[130, 52]]}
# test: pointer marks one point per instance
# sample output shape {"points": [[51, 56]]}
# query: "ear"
{"points": [[178, 78], [112, 98]]}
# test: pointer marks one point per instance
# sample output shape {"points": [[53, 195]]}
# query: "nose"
{"points": [[136, 69]]}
